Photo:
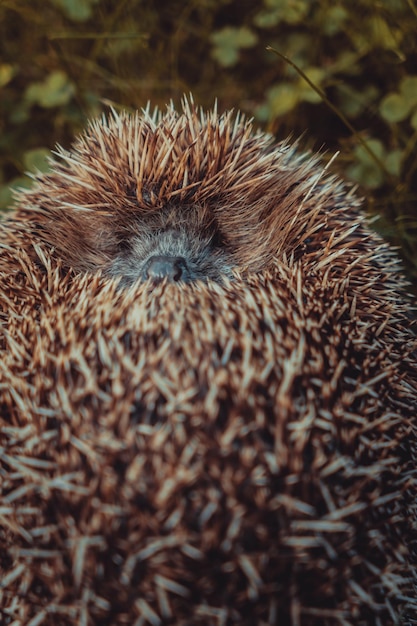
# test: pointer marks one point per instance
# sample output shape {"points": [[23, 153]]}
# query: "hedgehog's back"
{"points": [[205, 454]]}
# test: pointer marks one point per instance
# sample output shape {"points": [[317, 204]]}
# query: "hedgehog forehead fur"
{"points": [[237, 200]]}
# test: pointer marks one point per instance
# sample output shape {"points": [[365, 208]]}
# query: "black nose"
{"points": [[173, 268]]}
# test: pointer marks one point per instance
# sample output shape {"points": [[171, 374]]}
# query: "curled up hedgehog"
{"points": [[208, 388]]}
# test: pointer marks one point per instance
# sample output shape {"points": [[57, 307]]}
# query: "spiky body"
{"points": [[237, 451]]}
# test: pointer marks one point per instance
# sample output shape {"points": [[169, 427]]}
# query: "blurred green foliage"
{"points": [[63, 61]]}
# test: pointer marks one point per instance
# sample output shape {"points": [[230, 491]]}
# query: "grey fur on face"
{"points": [[177, 254]]}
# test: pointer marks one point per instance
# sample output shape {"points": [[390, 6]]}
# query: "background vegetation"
{"points": [[63, 61]]}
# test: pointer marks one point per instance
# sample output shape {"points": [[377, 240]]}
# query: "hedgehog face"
{"points": [[189, 196], [169, 249]]}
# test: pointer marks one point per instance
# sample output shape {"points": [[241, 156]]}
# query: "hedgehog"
{"points": [[208, 387]]}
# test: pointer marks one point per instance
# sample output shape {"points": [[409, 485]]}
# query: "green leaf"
{"points": [[289, 11], [376, 146], [36, 159], [267, 19], [394, 108], [366, 170], [263, 113], [55, 90], [282, 98], [6, 191], [234, 37], [306, 92], [349, 100], [76, 10], [408, 89], [228, 42], [382, 35], [227, 57], [333, 20], [393, 162], [366, 175], [414, 120], [7, 72], [353, 102]]}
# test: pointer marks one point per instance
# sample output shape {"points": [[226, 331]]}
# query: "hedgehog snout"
{"points": [[178, 255], [173, 268]]}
